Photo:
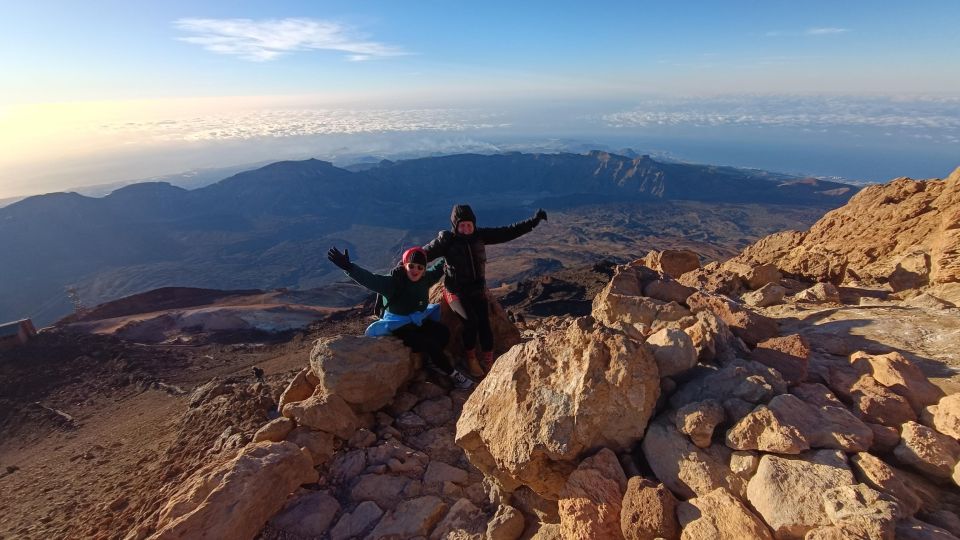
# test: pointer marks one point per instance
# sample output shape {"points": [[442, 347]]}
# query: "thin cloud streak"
{"points": [[817, 31], [265, 40]]}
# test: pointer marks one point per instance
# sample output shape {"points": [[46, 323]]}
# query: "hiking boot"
{"points": [[486, 358], [473, 366], [460, 380]]}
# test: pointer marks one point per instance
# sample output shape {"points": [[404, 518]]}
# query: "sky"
{"points": [[96, 92]]}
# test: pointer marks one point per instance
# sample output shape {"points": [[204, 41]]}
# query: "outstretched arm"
{"points": [[438, 246], [499, 235], [378, 283]]}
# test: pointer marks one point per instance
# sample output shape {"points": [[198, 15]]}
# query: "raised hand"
{"points": [[342, 260]]}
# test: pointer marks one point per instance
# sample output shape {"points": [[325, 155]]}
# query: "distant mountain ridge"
{"points": [[269, 227]]}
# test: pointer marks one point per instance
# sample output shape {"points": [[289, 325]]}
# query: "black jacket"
{"points": [[466, 256]]}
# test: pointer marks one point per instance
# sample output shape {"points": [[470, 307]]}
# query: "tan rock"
{"points": [[899, 375], [715, 280], [319, 444], [744, 463], [771, 294], [354, 524], [821, 293], [673, 350], [648, 511], [748, 325], [862, 510], [439, 472], [275, 430], [412, 518], [622, 300], [749, 381], [713, 340], [882, 477], [590, 502], [721, 516], [507, 524], [668, 290], [870, 401], [911, 270], [755, 276], [463, 520], [365, 372], [698, 420], [688, 471], [927, 450], [673, 262], [299, 389], [787, 491], [788, 354], [309, 514], [788, 425], [946, 420], [550, 399], [234, 499], [324, 412]]}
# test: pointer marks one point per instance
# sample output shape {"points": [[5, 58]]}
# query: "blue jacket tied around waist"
{"points": [[391, 321]]}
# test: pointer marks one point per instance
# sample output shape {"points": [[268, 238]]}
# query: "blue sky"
{"points": [[101, 81]]}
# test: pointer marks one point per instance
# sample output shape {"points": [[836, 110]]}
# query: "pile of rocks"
{"points": [[749, 435]]}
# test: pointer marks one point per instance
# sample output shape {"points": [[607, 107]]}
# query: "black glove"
{"points": [[541, 215], [340, 259]]}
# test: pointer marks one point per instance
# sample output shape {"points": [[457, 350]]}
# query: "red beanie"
{"points": [[415, 255]]}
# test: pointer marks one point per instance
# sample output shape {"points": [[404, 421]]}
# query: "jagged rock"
{"points": [[673, 351], [719, 515], [911, 270], [747, 325], [309, 514], [365, 372], [788, 425], [927, 450], [384, 489], [324, 412], [354, 524], [648, 511], [869, 400], [548, 531], [713, 339], [788, 354], [946, 420], [770, 294], [673, 262], [786, 491], [687, 470], [319, 444], [463, 521], [622, 300], [914, 529], [412, 518], [698, 420], [668, 290], [276, 430], [877, 474], [299, 389], [713, 279], [505, 333], [821, 293], [744, 463], [216, 502], [860, 510], [899, 375], [755, 276], [550, 399], [507, 524], [589, 504], [742, 379]]}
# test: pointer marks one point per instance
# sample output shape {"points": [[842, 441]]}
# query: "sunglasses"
{"points": [[415, 266]]}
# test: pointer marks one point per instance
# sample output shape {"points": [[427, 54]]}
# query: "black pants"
{"points": [[478, 321], [429, 338]]}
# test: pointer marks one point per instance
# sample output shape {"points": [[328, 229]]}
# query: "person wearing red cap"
{"points": [[465, 284], [407, 314]]}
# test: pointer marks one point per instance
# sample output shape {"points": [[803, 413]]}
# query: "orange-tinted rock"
{"points": [[590, 501], [746, 324], [788, 354], [648, 511]]}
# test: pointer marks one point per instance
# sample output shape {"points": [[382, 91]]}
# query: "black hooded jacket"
{"points": [[466, 256]]}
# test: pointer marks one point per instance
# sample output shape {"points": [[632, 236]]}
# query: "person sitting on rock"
{"points": [[464, 283], [407, 314]]}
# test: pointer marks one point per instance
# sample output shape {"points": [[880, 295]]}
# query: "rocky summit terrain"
{"points": [[771, 395]]}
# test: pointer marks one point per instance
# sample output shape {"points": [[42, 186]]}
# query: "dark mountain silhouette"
{"points": [[270, 227]]}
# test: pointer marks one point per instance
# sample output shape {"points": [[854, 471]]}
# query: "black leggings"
{"points": [[478, 321], [429, 338]]}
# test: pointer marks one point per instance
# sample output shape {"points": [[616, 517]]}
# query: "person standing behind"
{"points": [[464, 283], [407, 314]]}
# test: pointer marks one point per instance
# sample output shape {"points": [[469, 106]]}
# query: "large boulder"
{"points": [[788, 354], [236, 498], [300, 388], [787, 491], [648, 511], [673, 262], [885, 478], [721, 516], [747, 325], [622, 300], [590, 502], [673, 350], [857, 512], [324, 412], [713, 339], [900, 375], [754, 275], [549, 400], [365, 372], [927, 450]]}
